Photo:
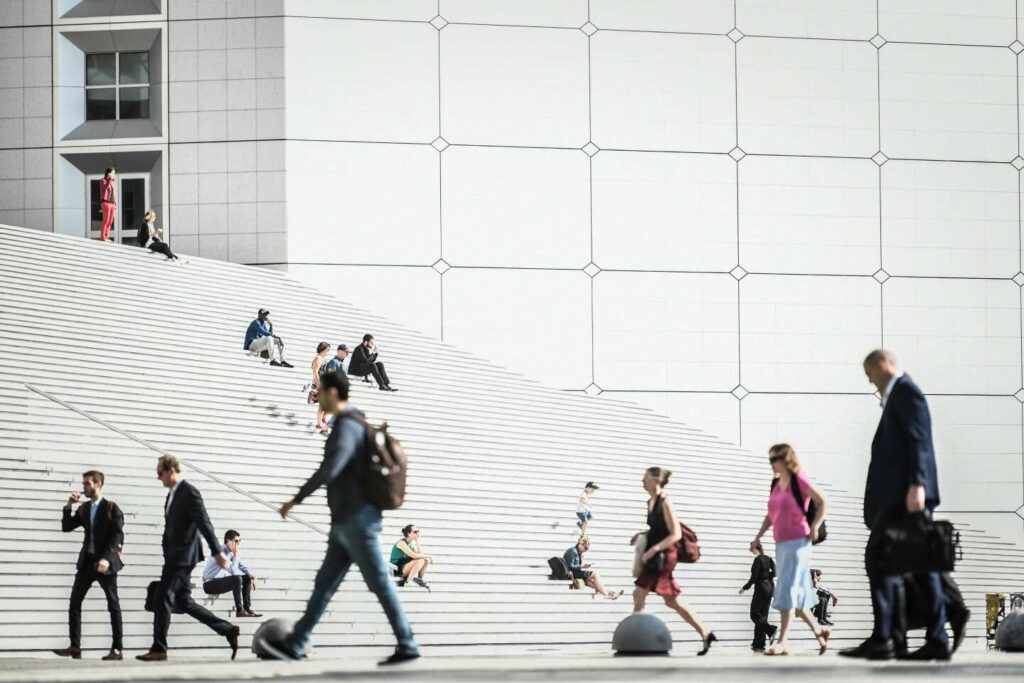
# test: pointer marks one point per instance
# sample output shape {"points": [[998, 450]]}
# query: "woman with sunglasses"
{"points": [[793, 538], [409, 559]]}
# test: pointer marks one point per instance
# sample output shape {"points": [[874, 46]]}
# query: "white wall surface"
{"points": [[715, 208]]}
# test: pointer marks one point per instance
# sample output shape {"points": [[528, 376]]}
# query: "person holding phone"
{"points": [[99, 560]]}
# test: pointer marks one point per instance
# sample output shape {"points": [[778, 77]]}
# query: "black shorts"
{"points": [[400, 564]]}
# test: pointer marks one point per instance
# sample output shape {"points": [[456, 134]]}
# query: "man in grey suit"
{"points": [[185, 519], [902, 478]]}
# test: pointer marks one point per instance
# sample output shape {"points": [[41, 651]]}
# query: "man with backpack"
{"points": [[357, 489]]}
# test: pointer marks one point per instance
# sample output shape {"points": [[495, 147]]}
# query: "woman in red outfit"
{"points": [[661, 555], [108, 203]]}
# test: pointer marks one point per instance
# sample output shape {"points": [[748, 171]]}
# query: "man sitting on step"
{"points": [[260, 339], [236, 579], [364, 362]]}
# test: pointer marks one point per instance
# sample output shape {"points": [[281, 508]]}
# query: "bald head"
{"points": [[881, 366]]}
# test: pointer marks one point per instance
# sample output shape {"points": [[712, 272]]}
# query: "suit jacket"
{"points": [[108, 529], [184, 522], [362, 360], [901, 453]]}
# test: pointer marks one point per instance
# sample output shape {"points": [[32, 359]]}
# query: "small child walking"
{"points": [[583, 508]]}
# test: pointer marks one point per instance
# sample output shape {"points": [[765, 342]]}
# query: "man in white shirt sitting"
{"points": [[237, 578]]}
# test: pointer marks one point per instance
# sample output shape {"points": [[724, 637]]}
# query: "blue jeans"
{"points": [[356, 540]]}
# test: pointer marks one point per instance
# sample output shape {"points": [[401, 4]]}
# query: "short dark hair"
{"points": [[322, 346], [367, 337], [815, 572], [109, 169], [335, 380], [407, 529], [169, 462], [231, 535], [95, 475]]}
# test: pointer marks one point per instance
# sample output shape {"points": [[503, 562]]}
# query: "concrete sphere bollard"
{"points": [[271, 631], [1010, 634], [642, 633]]}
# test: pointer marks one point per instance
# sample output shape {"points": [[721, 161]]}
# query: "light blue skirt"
{"points": [[794, 589]]}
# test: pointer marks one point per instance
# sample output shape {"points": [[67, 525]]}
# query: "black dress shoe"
{"points": [[286, 364], [959, 626], [233, 640], [113, 656], [74, 652], [152, 656], [929, 652], [399, 657], [871, 649], [275, 363]]}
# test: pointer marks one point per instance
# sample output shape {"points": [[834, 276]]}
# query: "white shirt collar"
{"points": [[888, 388]]}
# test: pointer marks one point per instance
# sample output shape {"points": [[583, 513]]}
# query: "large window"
{"points": [[116, 86]]}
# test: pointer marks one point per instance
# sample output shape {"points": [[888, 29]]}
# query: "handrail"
{"points": [[157, 449]]}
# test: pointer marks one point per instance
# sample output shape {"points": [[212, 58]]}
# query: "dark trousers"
{"points": [[84, 579], [886, 603], [379, 374], [239, 586], [820, 611], [162, 248], [176, 590], [760, 603], [910, 615]]}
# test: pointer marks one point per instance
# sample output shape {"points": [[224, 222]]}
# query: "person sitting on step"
{"points": [[260, 339], [364, 362], [151, 237], [409, 559], [573, 558], [236, 579]]}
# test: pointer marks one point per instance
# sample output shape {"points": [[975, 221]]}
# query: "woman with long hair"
{"points": [[794, 535], [323, 349], [661, 555]]}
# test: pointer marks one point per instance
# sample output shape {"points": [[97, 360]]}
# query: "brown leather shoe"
{"points": [[113, 656], [233, 640], [246, 613], [152, 656], [74, 652]]}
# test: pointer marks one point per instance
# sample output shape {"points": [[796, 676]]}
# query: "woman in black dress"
{"points": [[661, 555], [762, 579]]}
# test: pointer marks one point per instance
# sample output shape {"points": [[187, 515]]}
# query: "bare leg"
{"points": [[785, 617], [639, 598], [411, 568], [595, 582], [423, 569], [688, 616], [820, 633]]}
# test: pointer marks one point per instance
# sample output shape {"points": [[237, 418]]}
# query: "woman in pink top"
{"points": [[793, 538], [108, 204]]}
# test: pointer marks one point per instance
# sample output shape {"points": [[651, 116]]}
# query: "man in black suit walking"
{"points": [[98, 560], [902, 478], [185, 519]]}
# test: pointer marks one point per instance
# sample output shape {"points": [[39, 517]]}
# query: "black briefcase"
{"points": [[917, 545], [153, 597]]}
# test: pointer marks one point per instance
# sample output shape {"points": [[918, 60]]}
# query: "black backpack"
{"points": [[559, 572], [812, 508]]}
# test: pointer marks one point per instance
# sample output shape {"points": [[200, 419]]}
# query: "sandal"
{"points": [[823, 636], [774, 651]]}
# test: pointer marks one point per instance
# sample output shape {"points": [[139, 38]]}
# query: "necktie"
{"points": [[92, 529]]}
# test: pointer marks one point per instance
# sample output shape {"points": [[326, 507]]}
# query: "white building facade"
{"points": [[715, 208]]}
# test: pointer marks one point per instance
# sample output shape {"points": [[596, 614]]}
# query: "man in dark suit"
{"points": [[902, 478], [185, 519], [98, 560], [364, 362]]}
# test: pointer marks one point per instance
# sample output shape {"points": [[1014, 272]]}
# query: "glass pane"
{"points": [[132, 207], [95, 213], [100, 104], [134, 67], [99, 69], [134, 103]]}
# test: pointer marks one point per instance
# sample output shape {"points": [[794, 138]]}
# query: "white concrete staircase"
{"points": [[497, 462]]}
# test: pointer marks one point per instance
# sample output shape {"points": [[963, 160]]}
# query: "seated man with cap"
{"points": [[260, 338]]}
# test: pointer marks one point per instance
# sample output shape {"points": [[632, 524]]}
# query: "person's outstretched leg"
{"points": [[639, 599], [330, 575], [595, 582], [688, 616]]}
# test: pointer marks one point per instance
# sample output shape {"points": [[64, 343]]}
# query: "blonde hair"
{"points": [[785, 450], [584, 541], [661, 474], [149, 213]]}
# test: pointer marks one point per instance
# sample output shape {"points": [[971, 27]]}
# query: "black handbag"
{"points": [[917, 544], [656, 564], [153, 597]]}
